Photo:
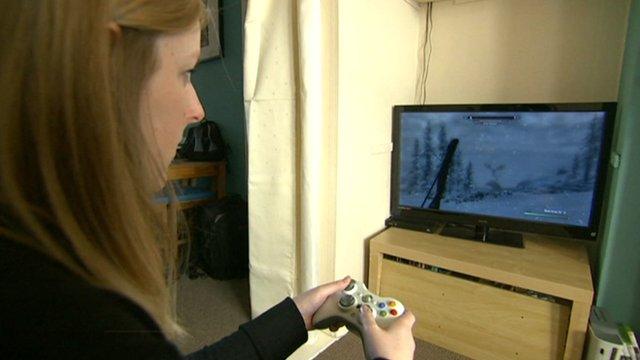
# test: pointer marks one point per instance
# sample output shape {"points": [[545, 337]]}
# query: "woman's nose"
{"points": [[198, 113], [195, 110]]}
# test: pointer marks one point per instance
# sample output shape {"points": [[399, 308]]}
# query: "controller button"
{"points": [[381, 305], [394, 312], [367, 298], [392, 303], [347, 301], [351, 285], [382, 313]]}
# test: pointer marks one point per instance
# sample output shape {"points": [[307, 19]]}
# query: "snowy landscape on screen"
{"points": [[537, 166]]}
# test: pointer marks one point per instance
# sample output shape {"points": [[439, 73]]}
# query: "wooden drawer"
{"points": [[475, 319]]}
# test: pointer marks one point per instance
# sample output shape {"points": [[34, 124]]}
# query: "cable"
{"points": [[428, 62], [423, 80], [425, 57], [419, 81]]}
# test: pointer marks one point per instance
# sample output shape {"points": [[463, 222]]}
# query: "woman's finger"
{"points": [[332, 287], [366, 318]]}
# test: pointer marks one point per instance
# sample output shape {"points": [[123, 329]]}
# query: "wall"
{"points": [[534, 51], [619, 280], [219, 84], [483, 51], [376, 66]]}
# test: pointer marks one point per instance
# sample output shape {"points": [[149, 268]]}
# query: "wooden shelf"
{"points": [[181, 169], [476, 317]]}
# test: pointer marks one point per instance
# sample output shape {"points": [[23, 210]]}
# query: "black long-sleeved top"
{"points": [[48, 312]]}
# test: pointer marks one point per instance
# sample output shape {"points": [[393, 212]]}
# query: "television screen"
{"points": [[528, 164]]}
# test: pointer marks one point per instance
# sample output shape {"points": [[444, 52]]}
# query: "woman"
{"points": [[95, 95]]}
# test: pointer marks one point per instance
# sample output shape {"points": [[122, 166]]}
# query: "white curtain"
{"points": [[290, 92]]}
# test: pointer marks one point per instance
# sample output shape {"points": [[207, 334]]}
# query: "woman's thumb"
{"points": [[366, 317]]}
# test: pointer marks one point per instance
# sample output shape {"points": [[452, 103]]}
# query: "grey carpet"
{"points": [[211, 309]]}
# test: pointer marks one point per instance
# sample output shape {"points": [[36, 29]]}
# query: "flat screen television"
{"points": [[483, 169]]}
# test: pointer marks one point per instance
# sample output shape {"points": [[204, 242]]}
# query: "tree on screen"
{"points": [[413, 181], [427, 154]]}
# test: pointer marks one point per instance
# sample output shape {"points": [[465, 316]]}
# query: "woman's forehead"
{"points": [[184, 46]]}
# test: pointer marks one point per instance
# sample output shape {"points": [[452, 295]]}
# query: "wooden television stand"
{"points": [[487, 301]]}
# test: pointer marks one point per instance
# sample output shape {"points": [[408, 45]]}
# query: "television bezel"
{"points": [[416, 215]]}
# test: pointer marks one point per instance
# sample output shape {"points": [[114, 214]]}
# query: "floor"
{"points": [[211, 309]]}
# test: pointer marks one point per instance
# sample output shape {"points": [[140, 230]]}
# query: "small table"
{"points": [[182, 170]]}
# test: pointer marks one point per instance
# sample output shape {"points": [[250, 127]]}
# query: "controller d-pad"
{"points": [[347, 301]]}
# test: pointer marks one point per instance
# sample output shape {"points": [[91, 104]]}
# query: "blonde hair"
{"points": [[78, 176]]}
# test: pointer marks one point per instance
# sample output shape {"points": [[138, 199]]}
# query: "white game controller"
{"points": [[343, 308]]}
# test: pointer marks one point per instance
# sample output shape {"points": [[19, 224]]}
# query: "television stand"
{"points": [[482, 232], [488, 302]]}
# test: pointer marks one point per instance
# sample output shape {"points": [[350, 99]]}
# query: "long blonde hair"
{"points": [[77, 175]]}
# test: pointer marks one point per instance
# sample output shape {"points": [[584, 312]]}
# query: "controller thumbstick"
{"points": [[347, 301], [351, 285]]}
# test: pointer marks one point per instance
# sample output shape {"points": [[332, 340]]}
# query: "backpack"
{"points": [[203, 142], [221, 240]]}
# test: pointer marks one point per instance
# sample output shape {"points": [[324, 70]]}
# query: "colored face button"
{"points": [[391, 303], [394, 312], [382, 313], [381, 305]]}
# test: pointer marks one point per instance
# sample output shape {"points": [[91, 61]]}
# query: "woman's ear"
{"points": [[115, 32]]}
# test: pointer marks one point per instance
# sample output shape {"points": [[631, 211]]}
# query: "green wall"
{"points": [[219, 84], [619, 275]]}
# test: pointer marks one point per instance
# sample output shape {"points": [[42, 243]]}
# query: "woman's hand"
{"points": [[310, 301], [395, 342]]}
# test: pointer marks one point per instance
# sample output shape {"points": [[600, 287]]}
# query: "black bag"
{"points": [[204, 143], [221, 240]]}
